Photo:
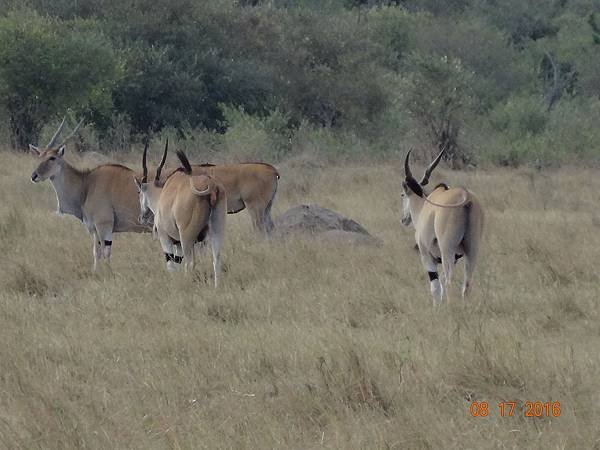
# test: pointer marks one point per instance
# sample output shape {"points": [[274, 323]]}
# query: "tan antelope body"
{"points": [[448, 225], [248, 185], [104, 198], [187, 209], [106, 195]]}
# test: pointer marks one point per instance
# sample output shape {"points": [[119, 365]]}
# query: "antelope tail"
{"points": [[195, 191], [211, 190]]}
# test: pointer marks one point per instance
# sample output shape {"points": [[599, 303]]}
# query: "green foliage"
{"points": [[522, 130], [575, 48], [518, 117], [156, 92], [435, 93], [497, 69], [523, 21], [392, 35], [253, 138], [595, 28], [263, 79], [47, 67], [319, 65]]}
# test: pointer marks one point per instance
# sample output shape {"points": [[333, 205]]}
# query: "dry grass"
{"points": [[307, 343]]}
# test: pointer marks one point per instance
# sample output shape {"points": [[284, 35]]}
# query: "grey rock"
{"points": [[315, 219]]}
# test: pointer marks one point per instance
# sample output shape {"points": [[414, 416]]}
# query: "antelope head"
{"points": [[52, 156], [149, 192], [411, 187], [51, 164]]}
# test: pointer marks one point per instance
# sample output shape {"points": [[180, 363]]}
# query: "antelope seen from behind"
{"points": [[187, 209], [448, 224]]}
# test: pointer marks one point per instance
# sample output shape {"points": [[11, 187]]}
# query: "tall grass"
{"points": [[307, 343]]}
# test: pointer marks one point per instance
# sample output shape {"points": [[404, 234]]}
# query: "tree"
{"points": [[435, 92], [157, 92], [48, 66]]}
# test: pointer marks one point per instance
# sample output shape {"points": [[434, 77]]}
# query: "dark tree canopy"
{"points": [[367, 72]]}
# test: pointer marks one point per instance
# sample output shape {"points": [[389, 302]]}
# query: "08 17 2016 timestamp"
{"points": [[509, 409]]}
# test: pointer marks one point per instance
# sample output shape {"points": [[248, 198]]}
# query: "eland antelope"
{"points": [[187, 209], [103, 198], [248, 185], [448, 224]]}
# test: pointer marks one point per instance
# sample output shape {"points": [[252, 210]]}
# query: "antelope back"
{"points": [[254, 180]]}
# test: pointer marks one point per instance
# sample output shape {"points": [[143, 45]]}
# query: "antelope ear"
{"points": [[33, 149], [61, 151], [138, 184]]}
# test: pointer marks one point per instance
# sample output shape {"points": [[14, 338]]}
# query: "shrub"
{"points": [[47, 66], [523, 132], [519, 116], [435, 92], [256, 138]]}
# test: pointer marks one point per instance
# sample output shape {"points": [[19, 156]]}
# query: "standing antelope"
{"points": [[103, 198], [248, 185], [448, 224], [187, 208]]}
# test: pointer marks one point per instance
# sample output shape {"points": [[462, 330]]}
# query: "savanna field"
{"points": [[306, 343]]}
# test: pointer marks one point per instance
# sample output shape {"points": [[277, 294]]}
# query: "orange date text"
{"points": [[509, 409]]}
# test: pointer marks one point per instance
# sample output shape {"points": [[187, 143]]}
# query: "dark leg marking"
{"points": [[174, 258], [177, 259], [432, 276], [456, 258], [235, 211], [202, 234]]}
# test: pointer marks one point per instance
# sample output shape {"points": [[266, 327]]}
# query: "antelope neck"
{"points": [[153, 193], [416, 204], [69, 184]]}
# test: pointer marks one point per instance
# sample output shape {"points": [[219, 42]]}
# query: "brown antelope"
{"points": [[103, 198], [187, 209], [448, 225], [107, 207], [248, 185]]}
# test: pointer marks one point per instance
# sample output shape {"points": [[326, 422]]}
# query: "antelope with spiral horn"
{"points": [[103, 198], [448, 225], [187, 209]]}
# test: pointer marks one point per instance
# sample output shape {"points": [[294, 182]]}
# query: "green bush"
{"points": [[523, 132], [267, 79], [47, 66], [256, 138], [435, 92], [519, 117], [157, 91]]}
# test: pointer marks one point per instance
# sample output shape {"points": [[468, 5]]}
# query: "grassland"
{"points": [[307, 343]]}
